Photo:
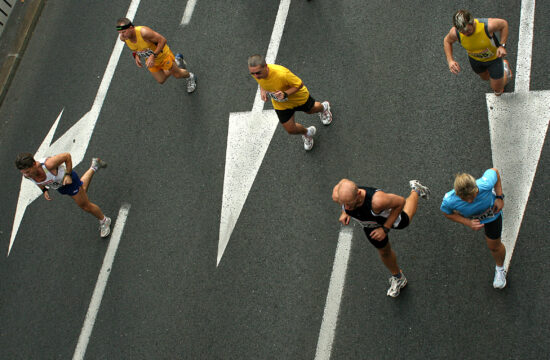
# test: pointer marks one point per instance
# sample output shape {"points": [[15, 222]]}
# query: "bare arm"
{"points": [[448, 42], [52, 163], [472, 224], [499, 203], [156, 38], [500, 25], [292, 90], [382, 201]]}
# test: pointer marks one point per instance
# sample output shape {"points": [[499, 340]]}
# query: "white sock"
{"points": [[499, 268], [325, 106], [309, 134], [104, 219]]}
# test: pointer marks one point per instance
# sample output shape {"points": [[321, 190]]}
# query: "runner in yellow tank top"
{"points": [[485, 52], [159, 59]]}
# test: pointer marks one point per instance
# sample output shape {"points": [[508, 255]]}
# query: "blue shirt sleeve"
{"points": [[488, 180], [445, 206]]}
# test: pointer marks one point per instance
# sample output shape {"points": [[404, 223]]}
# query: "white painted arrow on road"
{"points": [[518, 124], [75, 140], [248, 138]]}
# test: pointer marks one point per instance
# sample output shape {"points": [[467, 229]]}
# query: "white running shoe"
{"points": [[191, 83], [396, 285], [500, 279], [308, 140], [105, 227], [97, 164], [180, 61], [326, 116], [422, 190]]}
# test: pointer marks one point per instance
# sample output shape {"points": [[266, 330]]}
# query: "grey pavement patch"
{"points": [[16, 46]]}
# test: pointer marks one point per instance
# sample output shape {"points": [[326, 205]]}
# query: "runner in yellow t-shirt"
{"points": [[288, 94], [159, 59], [485, 52]]}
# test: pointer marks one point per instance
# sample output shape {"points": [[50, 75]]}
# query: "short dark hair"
{"points": [[24, 161], [256, 60]]}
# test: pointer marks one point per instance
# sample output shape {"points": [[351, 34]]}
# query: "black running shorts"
{"points": [[286, 114]]}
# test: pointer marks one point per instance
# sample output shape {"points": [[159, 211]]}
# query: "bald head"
{"points": [[347, 191]]}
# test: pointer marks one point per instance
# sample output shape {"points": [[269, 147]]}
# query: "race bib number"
{"points": [[483, 54], [485, 215], [144, 54], [367, 224], [53, 185], [274, 98]]}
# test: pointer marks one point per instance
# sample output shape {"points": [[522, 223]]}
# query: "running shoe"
{"points": [[105, 227], [500, 279], [423, 191], [180, 61], [396, 285], [326, 115], [97, 164], [308, 140], [191, 83]]}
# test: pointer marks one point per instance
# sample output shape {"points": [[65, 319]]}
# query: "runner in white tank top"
{"points": [[56, 172]]}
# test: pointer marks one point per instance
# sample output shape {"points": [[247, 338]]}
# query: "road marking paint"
{"points": [[518, 123], [76, 139], [525, 46], [188, 12], [101, 283], [334, 295], [248, 137]]}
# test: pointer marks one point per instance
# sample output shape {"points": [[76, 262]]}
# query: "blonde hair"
{"points": [[465, 185]]}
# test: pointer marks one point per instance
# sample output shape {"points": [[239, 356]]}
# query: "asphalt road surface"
{"points": [[399, 114]]}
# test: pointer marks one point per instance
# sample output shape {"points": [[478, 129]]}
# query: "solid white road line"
{"points": [[334, 296], [525, 46], [101, 283], [188, 12]]}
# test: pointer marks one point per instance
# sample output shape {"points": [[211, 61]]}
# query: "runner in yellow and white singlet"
{"points": [[485, 52], [152, 47]]}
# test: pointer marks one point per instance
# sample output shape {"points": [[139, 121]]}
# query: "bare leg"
{"points": [[411, 204], [86, 178], [499, 84], [387, 255], [294, 128], [81, 199], [177, 72], [317, 107], [497, 250], [160, 76]]}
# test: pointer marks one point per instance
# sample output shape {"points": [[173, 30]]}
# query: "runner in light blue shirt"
{"points": [[478, 204]]}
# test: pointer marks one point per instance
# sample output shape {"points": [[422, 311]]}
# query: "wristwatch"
{"points": [[503, 45], [386, 230], [501, 197]]}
